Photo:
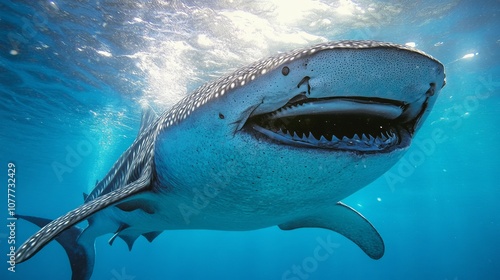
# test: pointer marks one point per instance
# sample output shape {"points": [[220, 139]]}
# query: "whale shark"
{"points": [[279, 142]]}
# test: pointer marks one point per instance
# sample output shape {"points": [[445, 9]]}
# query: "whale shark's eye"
{"points": [[285, 70]]}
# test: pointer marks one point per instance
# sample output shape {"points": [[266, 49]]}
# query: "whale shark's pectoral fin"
{"points": [[81, 255], [55, 227], [348, 222]]}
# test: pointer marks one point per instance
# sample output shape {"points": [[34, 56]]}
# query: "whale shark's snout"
{"points": [[374, 105]]}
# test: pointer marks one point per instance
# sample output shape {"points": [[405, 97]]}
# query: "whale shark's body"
{"points": [[279, 142]]}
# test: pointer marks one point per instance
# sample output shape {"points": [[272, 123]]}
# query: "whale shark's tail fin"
{"points": [[81, 255]]}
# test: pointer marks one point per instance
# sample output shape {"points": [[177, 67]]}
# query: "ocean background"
{"points": [[74, 76]]}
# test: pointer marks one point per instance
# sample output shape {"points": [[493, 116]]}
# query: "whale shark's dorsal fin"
{"points": [[150, 236], [346, 221], [129, 240], [54, 228]]}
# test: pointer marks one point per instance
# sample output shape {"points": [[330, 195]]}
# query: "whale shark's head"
{"points": [[360, 96], [334, 116], [364, 97]]}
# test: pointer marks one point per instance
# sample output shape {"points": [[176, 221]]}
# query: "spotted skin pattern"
{"points": [[133, 172]]}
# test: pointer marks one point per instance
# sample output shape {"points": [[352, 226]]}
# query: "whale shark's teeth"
{"points": [[392, 137], [366, 142], [312, 138], [383, 137]]}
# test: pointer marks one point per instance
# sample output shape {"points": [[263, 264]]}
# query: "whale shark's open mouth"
{"points": [[342, 123]]}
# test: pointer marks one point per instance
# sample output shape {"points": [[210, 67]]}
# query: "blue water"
{"points": [[74, 75]]}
